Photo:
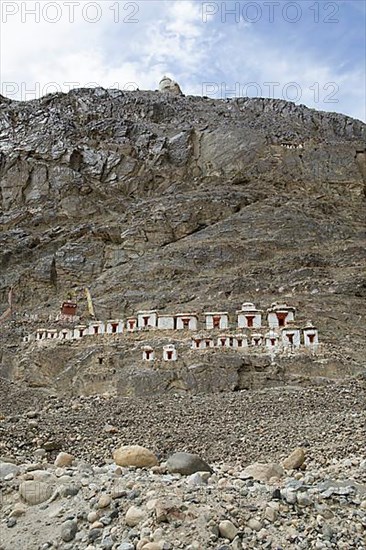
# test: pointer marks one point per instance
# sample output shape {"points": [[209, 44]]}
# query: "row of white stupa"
{"points": [[289, 338], [279, 316]]}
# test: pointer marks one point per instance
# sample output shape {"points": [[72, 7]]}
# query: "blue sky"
{"points": [[312, 51]]}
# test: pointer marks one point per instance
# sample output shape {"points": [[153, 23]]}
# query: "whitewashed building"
{"points": [[51, 334], [68, 312], [310, 333], [196, 342], [114, 326], [256, 339], [65, 334], [186, 321], [222, 341], [41, 334], [290, 337], [271, 339], [96, 328], [148, 353], [80, 331], [280, 315], [147, 319], [249, 316], [207, 343], [240, 341], [232, 341], [166, 322], [217, 320], [170, 353], [202, 342], [131, 324]]}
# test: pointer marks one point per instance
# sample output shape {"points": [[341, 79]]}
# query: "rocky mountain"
{"points": [[160, 201]]}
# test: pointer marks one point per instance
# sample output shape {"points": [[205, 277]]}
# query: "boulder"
{"points": [[68, 530], [227, 530], [35, 492], [134, 455], [186, 464], [63, 460], [294, 460], [134, 516], [104, 501], [263, 471], [7, 468]]}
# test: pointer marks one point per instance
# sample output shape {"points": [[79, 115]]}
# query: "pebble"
{"points": [[134, 516], [63, 460], [254, 524], [227, 530], [295, 459], [104, 501], [126, 546], [68, 530], [220, 508]]}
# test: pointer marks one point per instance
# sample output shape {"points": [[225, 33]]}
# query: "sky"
{"points": [[310, 52]]}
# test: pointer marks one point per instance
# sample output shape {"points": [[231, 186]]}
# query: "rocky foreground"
{"points": [[281, 468]]}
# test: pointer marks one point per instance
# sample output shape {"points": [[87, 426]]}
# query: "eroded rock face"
{"points": [[156, 200]]}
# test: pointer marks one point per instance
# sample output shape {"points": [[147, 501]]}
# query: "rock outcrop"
{"points": [[156, 200]]}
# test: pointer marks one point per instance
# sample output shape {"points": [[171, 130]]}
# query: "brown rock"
{"points": [[263, 471], [63, 460], [294, 460], [134, 516], [104, 501], [135, 455]]}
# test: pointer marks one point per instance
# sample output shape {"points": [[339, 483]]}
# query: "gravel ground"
{"points": [[232, 427]]}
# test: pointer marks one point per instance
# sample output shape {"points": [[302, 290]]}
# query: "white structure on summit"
{"points": [[279, 315], [167, 85], [217, 320], [170, 353], [147, 319], [310, 335], [249, 316]]}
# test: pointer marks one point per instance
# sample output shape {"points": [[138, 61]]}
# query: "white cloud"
{"points": [[169, 37]]}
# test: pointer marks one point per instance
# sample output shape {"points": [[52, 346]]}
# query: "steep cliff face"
{"points": [[167, 202]]}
